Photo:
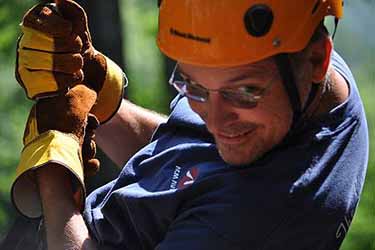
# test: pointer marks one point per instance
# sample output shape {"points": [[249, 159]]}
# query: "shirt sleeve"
{"points": [[309, 231], [191, 233]]}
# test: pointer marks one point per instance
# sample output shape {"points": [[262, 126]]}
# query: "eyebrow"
{"points": [[187, 79], [236, 80], [259, 74], [180, 71], [239, 78]]}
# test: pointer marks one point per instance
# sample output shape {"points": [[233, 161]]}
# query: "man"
{"points": [[266, 146]]}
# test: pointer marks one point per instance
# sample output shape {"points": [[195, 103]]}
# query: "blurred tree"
{"points": [[13, 104], [147, 81], [11, 13], [106, 27]]}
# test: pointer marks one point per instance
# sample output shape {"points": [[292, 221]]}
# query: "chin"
{"points": [[238, 156]]}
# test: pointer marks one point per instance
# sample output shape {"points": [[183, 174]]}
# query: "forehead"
{"points": [[261, 70]]}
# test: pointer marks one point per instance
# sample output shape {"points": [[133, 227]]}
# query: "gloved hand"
{"points": [[55, 52], [55, 133], [59, 128]]}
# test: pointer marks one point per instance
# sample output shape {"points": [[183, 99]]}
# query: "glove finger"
{"points": [[72, 11], [56, 62], [46, 82], [92, 123], [48, 21], [88, 149], [33, 39], [89, 145], [91, 166]]}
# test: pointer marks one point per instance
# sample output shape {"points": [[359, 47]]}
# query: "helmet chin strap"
{"points": [[300, 114], [286, 72], [335, 30]]}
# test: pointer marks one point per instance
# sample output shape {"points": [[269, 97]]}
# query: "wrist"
{"points": [[54, 182], [112, 92]]}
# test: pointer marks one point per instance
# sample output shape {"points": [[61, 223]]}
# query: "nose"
{"points": [[219, 113]]}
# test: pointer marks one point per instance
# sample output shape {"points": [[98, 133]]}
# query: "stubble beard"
{"points": [[240, 155]]}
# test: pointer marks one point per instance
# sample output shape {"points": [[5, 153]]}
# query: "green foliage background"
{"points": [[355, 40]]}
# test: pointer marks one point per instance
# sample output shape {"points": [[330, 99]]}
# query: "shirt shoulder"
{"points": [[353, 106]]}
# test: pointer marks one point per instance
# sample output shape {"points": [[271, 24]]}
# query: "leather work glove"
{"points": [[60, 128], [55, 133], [54, 46], [54, 54]]}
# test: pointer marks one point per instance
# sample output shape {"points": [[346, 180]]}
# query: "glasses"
{"points": [[245, 96]]}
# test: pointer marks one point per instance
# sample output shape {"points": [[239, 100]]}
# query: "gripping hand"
{"points": [[55, 52], [55, 133]]}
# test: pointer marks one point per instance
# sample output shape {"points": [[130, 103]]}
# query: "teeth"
{"points": [[236, 135]]}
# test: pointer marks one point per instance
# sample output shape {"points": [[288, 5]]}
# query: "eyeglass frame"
{"points": [[251, 104]]}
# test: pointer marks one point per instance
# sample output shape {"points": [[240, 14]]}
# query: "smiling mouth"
{"points": [[233, 139]]}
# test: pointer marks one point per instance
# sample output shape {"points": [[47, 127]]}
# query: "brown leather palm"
{"points": [[69, 114]]}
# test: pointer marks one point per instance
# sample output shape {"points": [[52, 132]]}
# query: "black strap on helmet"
{"points": [[335, 30], [286, 72], [289, 82]]}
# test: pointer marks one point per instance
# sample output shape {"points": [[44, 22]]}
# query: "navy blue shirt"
{"points": [[177, 193]]}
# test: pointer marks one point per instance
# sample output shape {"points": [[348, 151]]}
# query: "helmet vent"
{"points": [[315, 7], [258, 20]]}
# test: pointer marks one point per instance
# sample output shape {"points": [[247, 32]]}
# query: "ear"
{"points": [[320, 58]]}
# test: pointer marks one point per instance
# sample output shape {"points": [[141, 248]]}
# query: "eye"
{"points": [[195, 89], [248, 90], [240, 98]]}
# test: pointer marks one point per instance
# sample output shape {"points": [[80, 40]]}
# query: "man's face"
{"points": [[242, 134]]}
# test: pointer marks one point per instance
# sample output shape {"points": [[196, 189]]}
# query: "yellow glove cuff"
{"points": [[111, 94], [49, 147]]}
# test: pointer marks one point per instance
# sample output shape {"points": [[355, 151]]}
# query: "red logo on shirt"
{"points": [[189, 178]]}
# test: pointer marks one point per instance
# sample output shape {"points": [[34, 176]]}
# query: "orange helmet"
{"points": [[233, 32]]}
